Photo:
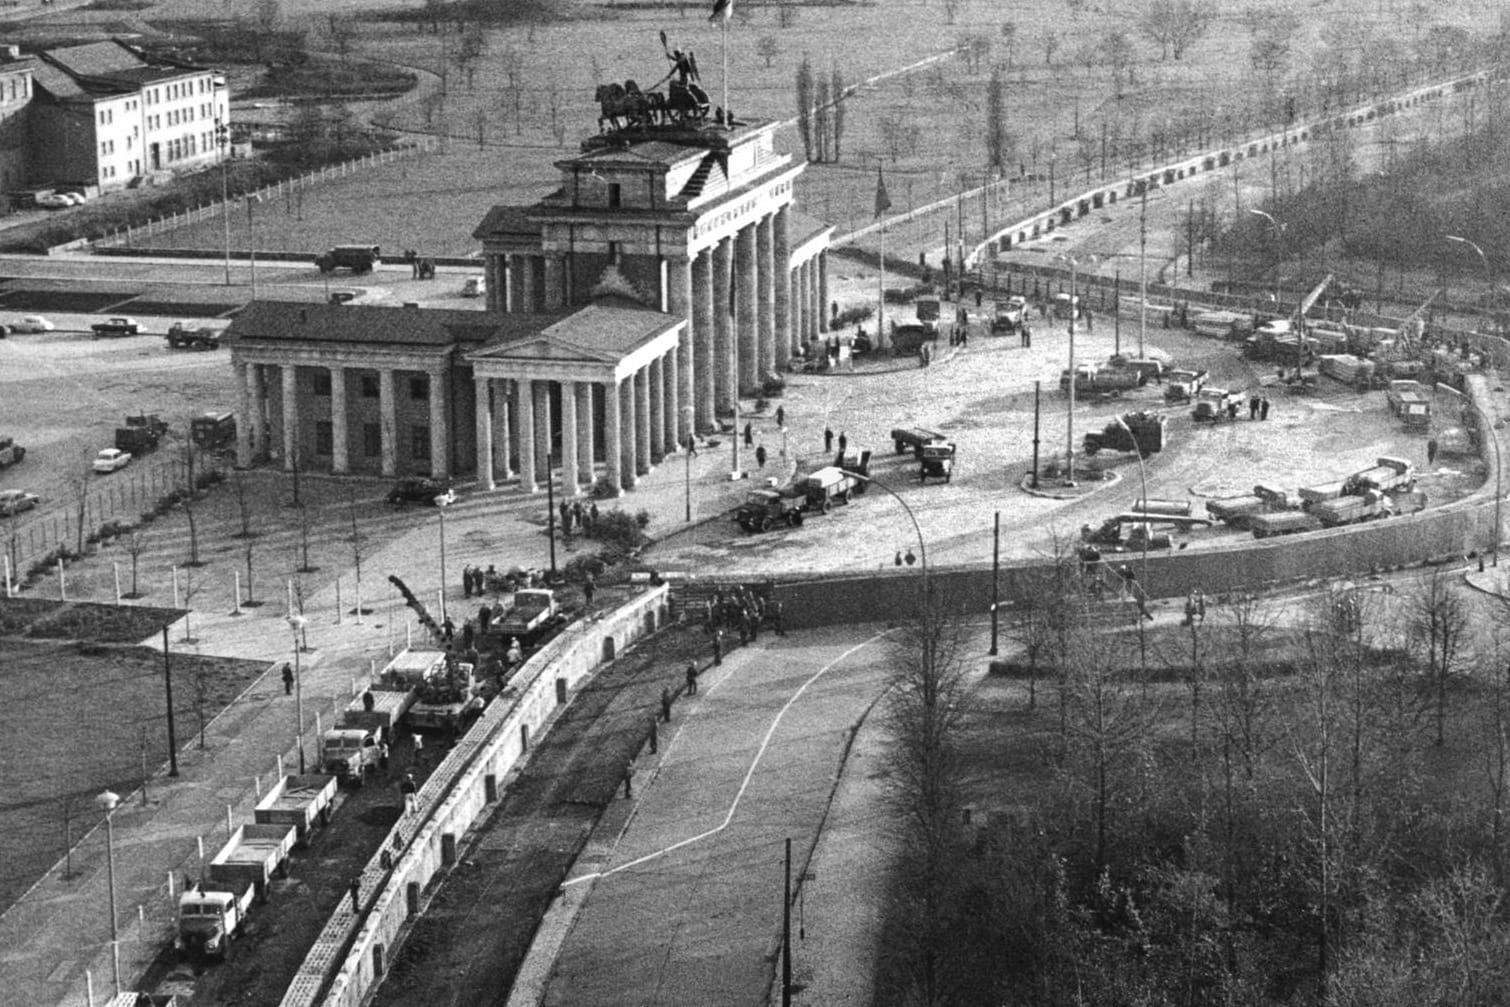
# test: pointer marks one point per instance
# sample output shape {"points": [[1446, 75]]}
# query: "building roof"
{"points": [[56, 83], [507, 221], [605, 331], [379, 325], [95, 59], [802, 228]]}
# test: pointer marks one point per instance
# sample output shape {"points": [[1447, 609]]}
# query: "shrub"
{"points": [[853, 316], [579, 568], [603, 489], [619, 532]]}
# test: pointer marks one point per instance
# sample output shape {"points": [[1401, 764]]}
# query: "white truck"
{"points": [[302, 800], [213, 911], [354, 749]]}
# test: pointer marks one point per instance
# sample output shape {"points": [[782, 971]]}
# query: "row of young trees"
{"points": [[820, 111], [1256, 810]]}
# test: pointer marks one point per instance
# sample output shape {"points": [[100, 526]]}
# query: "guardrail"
{"points": [[352, 953]]}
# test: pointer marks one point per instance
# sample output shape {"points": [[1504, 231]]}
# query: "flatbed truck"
{"points": [[301, 800], [253, 855]]}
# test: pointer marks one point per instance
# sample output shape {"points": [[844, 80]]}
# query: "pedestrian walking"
{"points": [[828, 440], [774, 613], [383, 757], [843, 441], [1263, 408], [977, 297], [577, 513], [419, 748], [408, 788], [666, 703], [356, 894], [691, 678], [288, 679], [448, 628], [369, 701], [484, 619], [589, 588], [1090, 323], [468, 635], [718, 646], [1431, 455], [592, 515], [781, 416], [749, 436], [629, 780], [760, 456], [1253, 407]]}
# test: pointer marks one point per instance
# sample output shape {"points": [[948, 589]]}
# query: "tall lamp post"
{"points": [[1143, 480], [1488, 275], [1494, 438], [107, 801], [1279, 246], [296, 625], [1069, 429], [922, 544], [251, 231], [223, 139], [441, 503], [691, 443]]}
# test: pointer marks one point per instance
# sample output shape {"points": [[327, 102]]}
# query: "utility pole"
{"points": [[995, 579]]}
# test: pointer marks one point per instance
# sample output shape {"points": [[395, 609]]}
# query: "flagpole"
{"points": [[728, 119], [881, 342]]}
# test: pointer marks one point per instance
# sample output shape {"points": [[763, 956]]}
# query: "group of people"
{"points": [[1258, 407], [741, 609], [575, 516], [477, 581]]}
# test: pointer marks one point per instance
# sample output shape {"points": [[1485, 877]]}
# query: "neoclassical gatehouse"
{"points": [[666, 275]]}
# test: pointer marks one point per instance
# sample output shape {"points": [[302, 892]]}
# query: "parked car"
{"points": [[31, 323], [111, 459], [418, 490], [475, 286], [120, 325], [17, 501], [54, 201]]}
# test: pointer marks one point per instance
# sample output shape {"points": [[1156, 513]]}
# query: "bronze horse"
{"points": [[688, 103], [627, 102]]}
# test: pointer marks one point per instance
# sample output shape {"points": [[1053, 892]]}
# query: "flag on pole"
{"points": [[883, 202], [722, 9]]}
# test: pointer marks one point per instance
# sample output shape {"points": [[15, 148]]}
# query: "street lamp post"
{"points": [[107, 801], [252, 236], [1494, 438], [296, 625], [922, 544], [691, 443], [1279, 246], [441, 503], [1069, 434], [1488, 276], [223, 139], [1143, 481]]}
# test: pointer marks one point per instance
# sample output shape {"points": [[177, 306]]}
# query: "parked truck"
{"points": [[1282, 523], [181, 336], [10, 452], [1388, 475], [1181, 385], [827, 485], [1102, 379], [303, 800], [141, 434], [449, 701], [1212, 405], [353, 748], [913, 438], [1409, 401], [1353, 509], [764, 509], [209, 916], [254, 855], [1144, 433], [937, 461], [213, 431], [534, 612]]}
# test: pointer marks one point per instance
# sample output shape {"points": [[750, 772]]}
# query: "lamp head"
{"points": [[107, 801]]}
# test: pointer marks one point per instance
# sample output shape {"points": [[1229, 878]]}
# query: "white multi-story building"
{"points": [[104, 116]]}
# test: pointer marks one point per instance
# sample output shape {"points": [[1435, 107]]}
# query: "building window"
{"points": [[369, 386], [419, 442], [615, 194], [419, 388], [372, 440], [325, 438], [322, 383], [613, 252]]}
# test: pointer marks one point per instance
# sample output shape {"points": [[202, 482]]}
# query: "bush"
{"points": [[620, 532], [852, 316], [603, 489], [579, 568]]}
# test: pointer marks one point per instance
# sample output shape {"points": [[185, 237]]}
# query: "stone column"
{"points": [[782, 273], [440, 427], [526, 418], [503, 448], [526, 285], [541, 406], [642, 421], [765, 286], [259, 410], [804, 304], [705, 338], [679, 305], [388, 421], [674, 412], [746, 309], [657, 412], [823, 301], [585, 469], [340, 457], [510, 282], [725, 354], [810, 297], [613, 450], [627, 431], [290, 416], [244, 428], [569, 461], [484, 395], [555, 282]]}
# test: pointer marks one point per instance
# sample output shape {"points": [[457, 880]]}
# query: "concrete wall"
{"points": [[358, 948], [1451, 531]]}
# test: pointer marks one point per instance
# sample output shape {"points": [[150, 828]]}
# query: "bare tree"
{"points": [[188, 454], [200, 684], [187, 592], [1117, 50], [358, 542], [511, 64], [469, 51], [269, 15], [767, 48], [805, 106], [135, 542], [343, 34], [80, 482], [996, 113], [1175, 25], [1438, 626], [306, 525], [243, 495], [837, 115], [480, 123], [951, 10]]}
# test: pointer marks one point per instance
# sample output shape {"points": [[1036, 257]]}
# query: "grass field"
{"points": [[91, 717]]}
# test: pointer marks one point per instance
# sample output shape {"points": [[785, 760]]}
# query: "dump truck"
{"points": [[181, 336], [209, 916], [1353, 509], [1388, 475], [1181, 385], [533, 613], [303, 800], [449, 701], [913, 438], [937, 461], [253, 855], [1144, 433], [1409, 401], [10, 452], [826, 485], [1282, 523], [764, 509]]}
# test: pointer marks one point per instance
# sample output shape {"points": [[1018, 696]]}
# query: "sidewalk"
{"points": [[59, 931]]}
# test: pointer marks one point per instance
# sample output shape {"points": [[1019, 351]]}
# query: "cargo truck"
{"points": [[764, 509], [1389, 475], [534, 612], [1144, 433], [354, 749], [253, 855], [448, 701], [302, 800], [1282, 523], [1409, 401], [210, 916], [1353, 509]]}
